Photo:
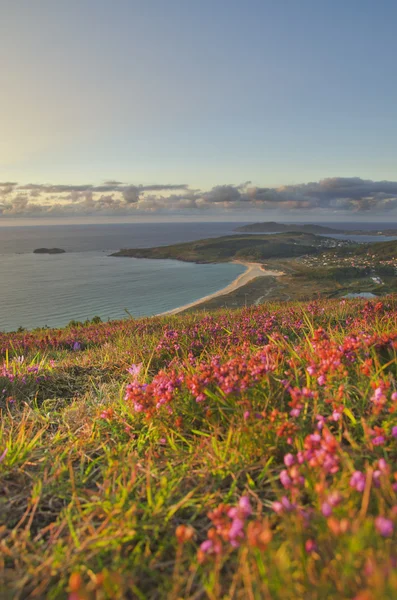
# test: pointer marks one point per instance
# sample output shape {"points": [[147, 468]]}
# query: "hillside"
{"points": [[236, 247], [377, 250], [273, 227], [235, 454]]}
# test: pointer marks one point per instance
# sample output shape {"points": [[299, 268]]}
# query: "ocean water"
{"points": [[38, 290]]}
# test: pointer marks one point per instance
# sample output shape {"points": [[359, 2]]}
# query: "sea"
{"points": [[38, 290]]}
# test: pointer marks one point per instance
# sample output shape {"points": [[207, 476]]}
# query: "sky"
{"points": [[221, 108]]}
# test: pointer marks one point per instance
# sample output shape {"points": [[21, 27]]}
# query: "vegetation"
{"points": [[237, 247], [238, 454]]}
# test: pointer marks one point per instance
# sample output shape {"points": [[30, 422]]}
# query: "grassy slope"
{"points": [[93, 492]]}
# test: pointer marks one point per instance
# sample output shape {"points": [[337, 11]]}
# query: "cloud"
{"points": [[332, 196]]}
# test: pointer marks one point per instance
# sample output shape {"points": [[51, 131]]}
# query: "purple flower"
{"points": [[379, 440], [295, 412], [245, 506], [285, 478], [384, 526], [334, 498], [394, 431], [134, 370], [289, 460], [206, 546], [326, 509], [357, 481], [76, 346], [310, 546]]}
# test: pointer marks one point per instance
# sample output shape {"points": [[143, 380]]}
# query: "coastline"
{"points": [[253, 270]]}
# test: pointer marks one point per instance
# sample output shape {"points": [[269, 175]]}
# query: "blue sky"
{"points": [[204, 93]]}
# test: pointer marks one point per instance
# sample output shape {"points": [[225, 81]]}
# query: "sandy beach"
{"points": [[253, 270]]}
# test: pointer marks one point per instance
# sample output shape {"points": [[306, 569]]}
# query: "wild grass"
{"points": [[235, 454]]}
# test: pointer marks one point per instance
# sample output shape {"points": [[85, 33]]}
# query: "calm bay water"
{"points": [[38, 290]]}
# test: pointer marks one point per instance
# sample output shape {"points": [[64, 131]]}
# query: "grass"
{"points": [[235, 454]]}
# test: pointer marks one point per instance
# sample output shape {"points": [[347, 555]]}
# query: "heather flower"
{"points": [[310, 546], [394, 431], [379, 440], [384, 526], [289, 460], [326, 509], [336, 415], [134, 370], [295, 412], [357, 481], [285, 479]]}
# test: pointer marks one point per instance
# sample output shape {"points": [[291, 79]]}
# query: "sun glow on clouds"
{"points": [[338, 195]]}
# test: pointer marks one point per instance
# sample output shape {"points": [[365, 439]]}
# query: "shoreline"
{"points": [[253, 270]]}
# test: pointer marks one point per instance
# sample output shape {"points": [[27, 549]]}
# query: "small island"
{"points": [[49, 251]]}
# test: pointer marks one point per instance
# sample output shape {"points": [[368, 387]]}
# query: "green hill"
{"points": [[236, 247]]}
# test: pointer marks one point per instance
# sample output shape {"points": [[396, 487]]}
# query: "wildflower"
{"points": [[379, 440], [394, 431], [326, 509], [76, 346], [259, 535], [134, 370], [295, 412], [184, 533], [336, 415], [357, 481], [384, 526], [285, 479], [289, 460], [310, 546], [283, 505]]}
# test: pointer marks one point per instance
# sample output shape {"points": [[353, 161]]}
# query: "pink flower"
{"points": [[384, 526], [134, 370], [394, 431], [245, 506], [289, 460], [285, 479], [336, 415], [357, 481], [310, 546], [379, 440], [326, 509]]}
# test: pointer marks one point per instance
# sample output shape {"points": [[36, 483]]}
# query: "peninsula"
{"points": [[239, 247]]}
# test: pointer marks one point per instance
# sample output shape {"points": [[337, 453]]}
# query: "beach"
{"points": [[253, 270]]}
